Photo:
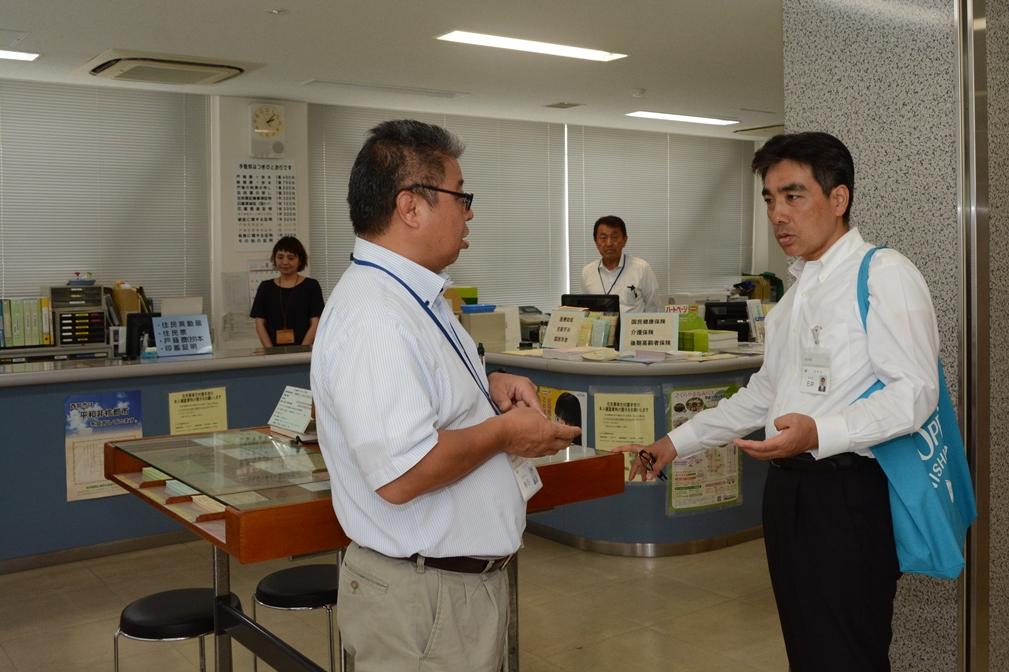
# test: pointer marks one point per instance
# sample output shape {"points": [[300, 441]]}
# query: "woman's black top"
{"points": [[288, 307]]}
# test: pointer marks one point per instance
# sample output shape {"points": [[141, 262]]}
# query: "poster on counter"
{"points": [[711, 478], [196, 411], [566, 406], [622, 419], [89, 421]]}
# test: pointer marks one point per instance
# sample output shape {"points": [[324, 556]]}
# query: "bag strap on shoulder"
{"points": [[863, 285]]}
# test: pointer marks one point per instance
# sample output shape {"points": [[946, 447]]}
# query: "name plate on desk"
{"points": [[649, 331], [564, 328], [182, 335]]}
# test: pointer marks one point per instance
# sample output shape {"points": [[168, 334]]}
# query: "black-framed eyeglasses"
{"points": [[648, 460], [465, 197]]}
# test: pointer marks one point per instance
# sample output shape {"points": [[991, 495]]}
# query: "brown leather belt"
{"points": [[463, 564]]}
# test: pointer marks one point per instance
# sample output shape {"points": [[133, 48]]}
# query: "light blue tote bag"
{"points": [[931, 494]]}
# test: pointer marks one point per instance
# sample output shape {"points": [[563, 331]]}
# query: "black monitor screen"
{"points": [[138, 325], [596, 303], [728, 316]]}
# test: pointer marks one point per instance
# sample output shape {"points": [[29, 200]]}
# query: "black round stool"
{"points": [[301, 588], [169, 616]]}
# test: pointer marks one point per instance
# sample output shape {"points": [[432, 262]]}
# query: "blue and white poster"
{"points": [[90, 421]]}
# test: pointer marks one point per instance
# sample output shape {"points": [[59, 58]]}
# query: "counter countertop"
{"points": [[667, 368], [72, 371]]}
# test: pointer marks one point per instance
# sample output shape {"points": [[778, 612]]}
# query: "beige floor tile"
{"points": [[655, 599], [531, 663], [59, 578], [725, 575], [549, 628], [727, 627], [766, 656], [543, 548], [176, 557], [6, 665], [646, 650], [79, 645]]}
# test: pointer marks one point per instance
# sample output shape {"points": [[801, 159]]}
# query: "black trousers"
{"points": [[833, 565]]}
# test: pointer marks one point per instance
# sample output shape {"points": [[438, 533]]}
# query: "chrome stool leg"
{"points": [[332, 650], [203, 655], [255, 658], [115, 650]]}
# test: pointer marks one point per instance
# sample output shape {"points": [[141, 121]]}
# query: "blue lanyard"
{"points": [[455, 343], [600, 274]]}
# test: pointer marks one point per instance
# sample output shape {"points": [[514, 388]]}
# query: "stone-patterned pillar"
{"points": [[997, 42], [883, 76]]}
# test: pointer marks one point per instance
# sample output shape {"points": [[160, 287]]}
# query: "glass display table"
{"points": [[255, 496]]}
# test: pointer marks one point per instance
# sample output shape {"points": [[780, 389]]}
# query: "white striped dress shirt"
{"points": [[901, 348], [385, 380]]}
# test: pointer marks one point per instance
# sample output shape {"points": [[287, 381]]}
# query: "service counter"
{"points": [[647, 519], [39, 525]]}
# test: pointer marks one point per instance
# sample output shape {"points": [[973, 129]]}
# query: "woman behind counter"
{"points": [[287, 309]]}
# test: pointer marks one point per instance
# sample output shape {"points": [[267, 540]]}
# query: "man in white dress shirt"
{"points": [[617, 273], [827, 524], [427, 476]]}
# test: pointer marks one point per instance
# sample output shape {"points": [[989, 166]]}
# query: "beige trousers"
{"points": [[395, 616]]}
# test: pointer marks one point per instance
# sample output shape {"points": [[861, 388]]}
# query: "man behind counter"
{"points": [[617, 273]]}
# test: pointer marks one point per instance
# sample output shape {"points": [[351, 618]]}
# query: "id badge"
{"points": [[815, 371], [285, 336], [526, 476]]}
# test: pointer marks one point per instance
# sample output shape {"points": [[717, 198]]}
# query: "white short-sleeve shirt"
{"points": [[633, 280], [385, 380]]}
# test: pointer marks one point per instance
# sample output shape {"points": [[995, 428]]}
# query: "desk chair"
{"points": [[170, 616], [306, 587]]}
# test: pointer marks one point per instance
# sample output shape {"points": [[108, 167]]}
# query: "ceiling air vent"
{"points": [[138, 66], [563, 105]]}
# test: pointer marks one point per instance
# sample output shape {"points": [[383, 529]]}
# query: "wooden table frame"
{"points": [[257, 535]]}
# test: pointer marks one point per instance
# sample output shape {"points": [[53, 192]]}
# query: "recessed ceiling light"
{"points": [[278, 11], [482, 40], [564, 105], [682, 117], [18, 55]]}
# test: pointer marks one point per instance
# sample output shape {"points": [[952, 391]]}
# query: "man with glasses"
{"points": [[617, 273], [427, 454], [826, 511]]}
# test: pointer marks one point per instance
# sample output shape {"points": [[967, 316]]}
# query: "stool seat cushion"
{"points": [[303, 587], [172, 614]]}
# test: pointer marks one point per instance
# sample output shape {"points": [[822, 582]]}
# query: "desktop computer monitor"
{"points": [[728, 316], [138, 325], [596, 303]]}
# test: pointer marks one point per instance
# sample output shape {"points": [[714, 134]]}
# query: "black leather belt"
{"points": [[463, 564], [805, 462]]}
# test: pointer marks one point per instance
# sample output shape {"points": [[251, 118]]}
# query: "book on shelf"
{"points": [[8, 333], [17, 323], [26, 322], [45, 306]]}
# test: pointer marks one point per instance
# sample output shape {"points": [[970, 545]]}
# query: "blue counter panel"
{"points": [[36, 518], [638, 516]]}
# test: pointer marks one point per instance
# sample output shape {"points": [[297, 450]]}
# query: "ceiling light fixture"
{"points": [[682, 117], [18, 55], [515, 44]]}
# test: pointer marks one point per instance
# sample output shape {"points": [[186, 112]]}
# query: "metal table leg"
{"points": [[512, 639], [222, 587]]}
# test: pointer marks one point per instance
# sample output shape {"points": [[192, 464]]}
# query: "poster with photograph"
{"points": [[622, 419], [709, 479], [566, 406], [89, 421]]}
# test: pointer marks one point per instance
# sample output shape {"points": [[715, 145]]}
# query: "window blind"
{"points": [[105, 180], [514, 168], [687, 202]]}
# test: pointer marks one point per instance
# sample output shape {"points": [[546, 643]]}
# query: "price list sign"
{"points": [[265, 203]]}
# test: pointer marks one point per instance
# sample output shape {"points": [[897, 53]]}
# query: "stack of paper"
{"points": [[571, 354], [208, 504], [152, 474], [178, 488]]}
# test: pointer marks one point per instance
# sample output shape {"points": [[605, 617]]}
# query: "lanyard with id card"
{"points": [[526, 476], [815, 366]]}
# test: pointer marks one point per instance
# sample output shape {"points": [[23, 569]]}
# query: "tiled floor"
{"points": [[584, 612]]}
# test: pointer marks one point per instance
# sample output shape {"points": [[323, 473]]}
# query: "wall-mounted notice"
{"points": [[624, 418], [265, 203], [567, 406], [195, 411], [709, 479], [90, 421]]}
